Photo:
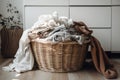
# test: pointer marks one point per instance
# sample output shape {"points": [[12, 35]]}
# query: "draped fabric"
{"points": [[99, 57]]}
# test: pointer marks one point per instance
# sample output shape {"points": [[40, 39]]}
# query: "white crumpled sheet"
{"points": [[24, 60]]}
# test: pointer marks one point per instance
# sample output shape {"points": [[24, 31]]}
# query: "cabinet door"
{"points": [[92, 16], [90, 2], [116, 2], [104, 36], [46, 2], [31, 14], [115, 28]]}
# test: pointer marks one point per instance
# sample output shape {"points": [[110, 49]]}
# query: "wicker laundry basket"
{"points": [[10, 41], [59, 57]]}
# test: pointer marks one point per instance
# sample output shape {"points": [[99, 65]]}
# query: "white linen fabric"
{"points": [[24, 60]]}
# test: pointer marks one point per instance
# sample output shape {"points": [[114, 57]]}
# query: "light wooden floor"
{"points": [[85, 74]]}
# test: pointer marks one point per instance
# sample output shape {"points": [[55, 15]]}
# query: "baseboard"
{"points": [[113, 54]]}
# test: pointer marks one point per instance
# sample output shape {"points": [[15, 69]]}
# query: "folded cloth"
{"points": [[99, 57]]}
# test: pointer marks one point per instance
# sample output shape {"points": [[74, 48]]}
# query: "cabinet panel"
{"points": [[32, 13], [92, 16], [115, 28], [116, 2], [90, 2], [104, 36], [46, 2]]}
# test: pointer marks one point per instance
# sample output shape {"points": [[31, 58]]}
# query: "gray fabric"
{"points": [[61, 34]]}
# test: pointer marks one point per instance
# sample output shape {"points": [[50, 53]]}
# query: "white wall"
{"points": [[0, 5], [17, 3]]}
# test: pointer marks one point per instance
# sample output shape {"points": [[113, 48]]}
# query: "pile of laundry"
{"points": [[55, 29], [48, 28], [59, 29]]}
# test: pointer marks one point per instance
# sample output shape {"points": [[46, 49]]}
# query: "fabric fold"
{"points": [[101, 61]]}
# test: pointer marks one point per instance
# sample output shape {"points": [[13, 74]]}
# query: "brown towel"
{"points": [[101, 61], [99, 57]]}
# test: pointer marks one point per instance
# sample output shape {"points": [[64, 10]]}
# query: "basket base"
{"points": [[60, 70]]}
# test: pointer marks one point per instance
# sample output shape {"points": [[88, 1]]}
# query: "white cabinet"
{"points": [[92, 16], [116, 28], [31, 14], [116, 2], [90, 2], [98, 14], [104, 36], [46, 2]]}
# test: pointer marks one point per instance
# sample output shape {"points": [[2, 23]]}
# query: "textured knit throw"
{"points": [[99, 57]]}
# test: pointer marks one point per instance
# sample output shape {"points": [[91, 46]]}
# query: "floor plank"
{"points": [[4, 62], [86, 73], [59, 76]]}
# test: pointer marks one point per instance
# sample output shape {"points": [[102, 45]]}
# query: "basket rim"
{"points": [[50, 42]]}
